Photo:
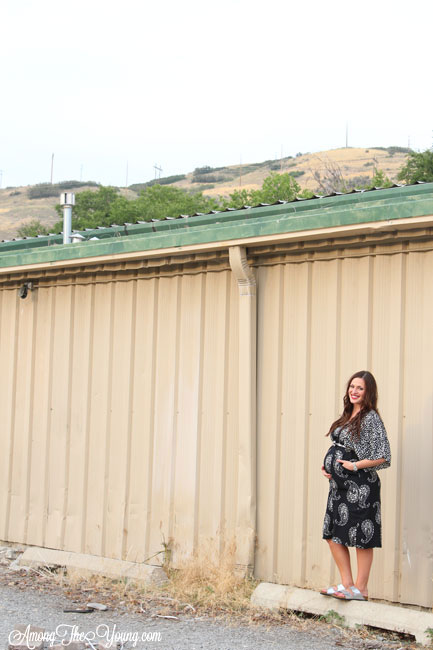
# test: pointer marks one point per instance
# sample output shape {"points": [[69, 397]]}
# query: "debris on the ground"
{"points": [[98, 606], [78, 610]]}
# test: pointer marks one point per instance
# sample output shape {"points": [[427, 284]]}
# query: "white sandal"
{"points": [[352, 593], [331, 590]]}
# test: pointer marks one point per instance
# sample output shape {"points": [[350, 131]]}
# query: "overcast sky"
{"points": [[105, 85]]}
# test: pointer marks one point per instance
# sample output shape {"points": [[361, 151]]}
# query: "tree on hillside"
{"points": [[106, 207], [32, 228], [160, 201], [418, 167], [275, 187], [278, 187], [380, 179], [329, 177]]}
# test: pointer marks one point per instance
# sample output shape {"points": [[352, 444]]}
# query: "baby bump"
{"points": [[331, 464]]}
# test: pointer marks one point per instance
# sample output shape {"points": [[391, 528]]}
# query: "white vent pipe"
{"points": [[67, 200]]}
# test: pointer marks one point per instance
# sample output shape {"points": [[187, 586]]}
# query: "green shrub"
{"points": [[42, 191], [47, 190], [32, 228], [393, 150], [203, 187], [209, 178], [166, 180]]}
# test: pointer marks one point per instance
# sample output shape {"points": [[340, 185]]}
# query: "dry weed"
{"points": [[204, 583], [210, 583]]}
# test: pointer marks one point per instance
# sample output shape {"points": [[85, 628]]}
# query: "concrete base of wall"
{"points": [[93, 564], [387, 617]]}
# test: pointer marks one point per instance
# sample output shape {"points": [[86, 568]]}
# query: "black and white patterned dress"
{"points": [[353, 515]]}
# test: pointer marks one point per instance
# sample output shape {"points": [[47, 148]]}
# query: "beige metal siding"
{"points": [[120, 394], [319, 321], [119, 409], [416, 565]]}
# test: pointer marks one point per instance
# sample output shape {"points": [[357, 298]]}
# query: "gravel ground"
{"points": [[32, 599], [44, 611]]}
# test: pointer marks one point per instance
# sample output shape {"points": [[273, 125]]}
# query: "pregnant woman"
{"points": [[359, 449]]}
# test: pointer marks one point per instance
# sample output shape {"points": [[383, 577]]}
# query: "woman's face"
{"points": [[356, 391]]}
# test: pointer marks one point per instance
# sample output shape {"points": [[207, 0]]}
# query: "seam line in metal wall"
{"points": [[71, 339], [151, 441], [400, 433], [49, 418], [12, 441], [277, 468], [125, 513], [108, 423], [307, 421], [196, 523], [223, 450], [175, 432], [370, 307], [88, 420], [30, 419]]}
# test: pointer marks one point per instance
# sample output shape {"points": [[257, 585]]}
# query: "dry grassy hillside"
{"points": [[355, 165]]}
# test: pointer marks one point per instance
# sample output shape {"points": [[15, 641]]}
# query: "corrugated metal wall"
{"points": [[318, 322], [101, 452], [119, 404]]}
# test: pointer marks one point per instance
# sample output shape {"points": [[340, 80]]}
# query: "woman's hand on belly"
{"points": [[347, 464], [325, 473]]}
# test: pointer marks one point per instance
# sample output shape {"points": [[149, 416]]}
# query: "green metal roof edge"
{"points": [[346, 209]]}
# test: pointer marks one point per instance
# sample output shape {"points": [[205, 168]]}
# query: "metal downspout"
{"points": [[246, 495]]}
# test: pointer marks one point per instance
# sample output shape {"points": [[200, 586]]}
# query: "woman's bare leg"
{"points": [[341, 556], [364, 557]]}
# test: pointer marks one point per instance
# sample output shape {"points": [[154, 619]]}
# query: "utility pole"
{"points": [[281, 160], [52, 167], [126, 181], [1, 177], [157, 169], [81, 172], [347, 134], [240, 172]]}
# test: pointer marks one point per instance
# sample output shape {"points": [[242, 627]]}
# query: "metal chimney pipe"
{"points": [[67, 200]]}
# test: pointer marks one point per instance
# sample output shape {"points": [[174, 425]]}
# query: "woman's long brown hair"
{"points": [[369, 403]]}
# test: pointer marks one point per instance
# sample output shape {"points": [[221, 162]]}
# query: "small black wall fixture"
{"points": [[24, 289]]}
